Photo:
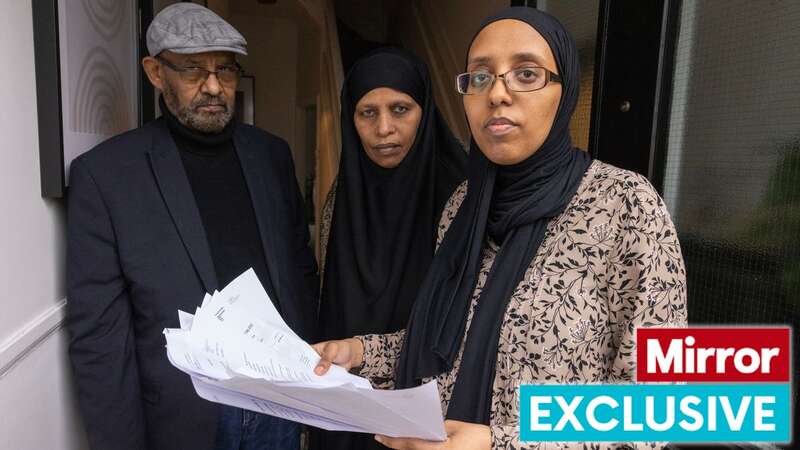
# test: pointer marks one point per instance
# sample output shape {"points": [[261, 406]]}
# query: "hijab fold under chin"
{"points": [[512, 205]]}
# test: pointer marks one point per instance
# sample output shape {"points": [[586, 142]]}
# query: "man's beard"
{"points": [[208, 123]]}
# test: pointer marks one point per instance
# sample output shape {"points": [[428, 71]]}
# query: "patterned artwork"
{"points": [[98, 46], [98, 107], [106, 16]]}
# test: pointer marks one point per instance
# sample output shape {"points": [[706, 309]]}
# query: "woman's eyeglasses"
{"points": [[228, 74], [525, 79]]}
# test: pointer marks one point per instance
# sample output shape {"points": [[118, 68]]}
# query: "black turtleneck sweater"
{"points": [[223, 200]]}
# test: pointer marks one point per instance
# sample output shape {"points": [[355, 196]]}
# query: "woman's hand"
{"points": [[347, 353], [460, 436]]}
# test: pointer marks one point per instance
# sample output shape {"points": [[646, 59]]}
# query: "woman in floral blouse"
{"points": [[547, 261]]}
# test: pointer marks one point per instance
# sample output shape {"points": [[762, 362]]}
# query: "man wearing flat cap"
{"points": [[160, 215]]}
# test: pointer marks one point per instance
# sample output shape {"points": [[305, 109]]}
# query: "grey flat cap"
{"points": [[189, 28]]}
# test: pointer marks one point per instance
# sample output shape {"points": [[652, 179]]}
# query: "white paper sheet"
{"points": [[239, 352]]}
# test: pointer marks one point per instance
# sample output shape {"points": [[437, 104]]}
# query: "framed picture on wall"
{"points": [[245, 100], [87, 79]]}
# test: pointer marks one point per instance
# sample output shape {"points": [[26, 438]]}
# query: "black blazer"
{"points": [[137, 252]]}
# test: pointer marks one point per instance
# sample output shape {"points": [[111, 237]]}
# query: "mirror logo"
{"points": [[734, 385]]}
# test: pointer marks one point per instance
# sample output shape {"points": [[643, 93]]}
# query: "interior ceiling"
{"points": [[361, 14]]}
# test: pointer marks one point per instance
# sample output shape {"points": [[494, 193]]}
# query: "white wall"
{"points": [[36, 397]]}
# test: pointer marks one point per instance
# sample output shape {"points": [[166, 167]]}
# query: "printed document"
{"points": [[238, 351]]}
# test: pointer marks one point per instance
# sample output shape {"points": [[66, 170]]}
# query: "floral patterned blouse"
{"points": [[608, 264], [325, 222]]}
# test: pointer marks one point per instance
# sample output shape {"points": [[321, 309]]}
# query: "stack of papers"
{"points": [[239, 352]]}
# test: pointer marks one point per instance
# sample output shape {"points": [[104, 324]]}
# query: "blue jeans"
{"points": [[239, 429]]}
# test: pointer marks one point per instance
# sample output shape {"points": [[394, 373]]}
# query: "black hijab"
{"points": [[383, 231], [513, 206]]}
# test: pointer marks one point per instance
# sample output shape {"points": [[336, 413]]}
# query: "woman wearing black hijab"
{"points": [[549, 264], [399, 164]]}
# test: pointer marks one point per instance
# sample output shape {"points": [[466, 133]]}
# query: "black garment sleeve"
{"points": [[101, 333], [304, 255]]}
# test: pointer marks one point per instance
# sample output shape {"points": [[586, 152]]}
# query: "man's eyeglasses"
{"points": [[525, 79], [227, 74]]}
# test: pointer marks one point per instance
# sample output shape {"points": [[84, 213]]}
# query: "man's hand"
{"points": [[347, 353], [460, 436]]}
